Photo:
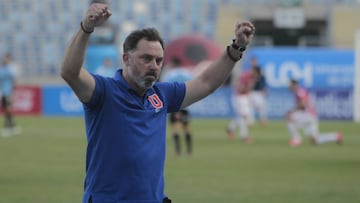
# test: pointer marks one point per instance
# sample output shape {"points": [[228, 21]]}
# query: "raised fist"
{"points": [[244, 33], [96, 15]]}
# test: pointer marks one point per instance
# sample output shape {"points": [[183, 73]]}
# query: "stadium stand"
{"points": [[36, 32]]}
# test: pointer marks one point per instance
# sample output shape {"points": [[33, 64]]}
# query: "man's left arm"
{"points": [[218, 71]]}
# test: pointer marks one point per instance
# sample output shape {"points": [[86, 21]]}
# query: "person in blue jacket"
{"points": [[125, 116], [7, 87]]}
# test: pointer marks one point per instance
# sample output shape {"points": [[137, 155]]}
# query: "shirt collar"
{"points": [[118, 77]]}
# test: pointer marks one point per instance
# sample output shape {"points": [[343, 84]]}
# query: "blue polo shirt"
{"points": [[126, 136]]}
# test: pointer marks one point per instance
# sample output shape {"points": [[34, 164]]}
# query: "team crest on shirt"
{"points": [[155, 102]]}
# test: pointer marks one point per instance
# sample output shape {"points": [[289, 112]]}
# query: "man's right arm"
{"points": [[79, 79]]}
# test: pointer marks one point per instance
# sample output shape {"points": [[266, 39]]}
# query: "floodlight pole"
{"points": [[357, 77]]}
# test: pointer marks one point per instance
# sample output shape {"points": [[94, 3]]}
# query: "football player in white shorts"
{"points": [[243, 109]]}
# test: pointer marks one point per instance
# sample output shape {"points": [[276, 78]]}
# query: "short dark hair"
{"points": [[293, 81], [150, 34], [257, 69]]}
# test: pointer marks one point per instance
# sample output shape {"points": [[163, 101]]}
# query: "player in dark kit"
{"points": [[125, 116], [179, 120]]}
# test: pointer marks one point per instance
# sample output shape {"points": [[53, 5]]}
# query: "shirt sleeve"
{"points": [[98, 95], [174, 94]]}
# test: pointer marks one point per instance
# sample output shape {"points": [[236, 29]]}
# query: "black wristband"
{"points": [[238, 48], [231, 56], [83, 29]]}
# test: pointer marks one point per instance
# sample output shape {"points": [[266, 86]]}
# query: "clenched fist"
{"points": [[96, 15], [244, 33]]}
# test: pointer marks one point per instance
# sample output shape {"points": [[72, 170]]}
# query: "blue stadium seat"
{"points": [[34, 29]]}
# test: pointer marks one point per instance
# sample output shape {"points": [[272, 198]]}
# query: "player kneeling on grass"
{"points": [[303, 117]]}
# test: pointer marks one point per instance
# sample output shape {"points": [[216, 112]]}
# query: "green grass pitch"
{"points": [[46, 164]]}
